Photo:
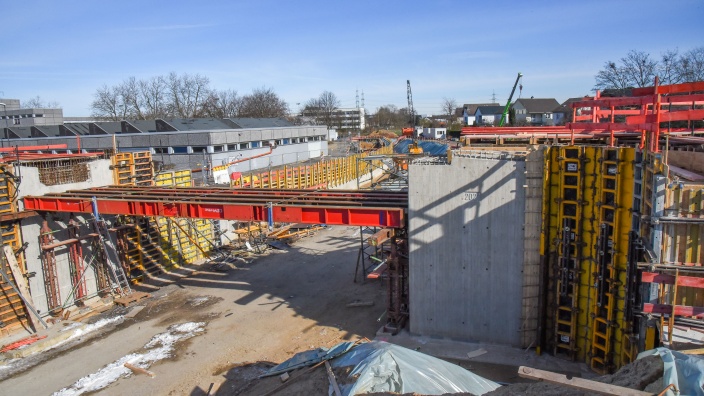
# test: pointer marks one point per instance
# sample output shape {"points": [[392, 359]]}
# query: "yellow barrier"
{"points": [[326, 173]]}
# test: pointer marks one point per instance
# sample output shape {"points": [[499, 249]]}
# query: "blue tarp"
{"points": [[686, 372], [429, 147], [309, 358]]}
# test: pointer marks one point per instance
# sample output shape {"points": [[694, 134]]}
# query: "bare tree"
{"points": [[691, 65], [38, 103], [263, 103], [108, 103], [186, 96], [448, 106], [322, 109], [187, 93], [129, 89], [638, 69], [667, 68], [153, 97], [222, 104], [612, 76]]}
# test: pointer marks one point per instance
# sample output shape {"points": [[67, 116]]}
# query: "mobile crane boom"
{"points": [[508, 103]]}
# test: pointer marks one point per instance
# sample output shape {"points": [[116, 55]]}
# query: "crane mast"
{"points": [[410, 104], [508, 103]]}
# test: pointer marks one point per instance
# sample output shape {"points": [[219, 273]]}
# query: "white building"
{"points": [[434, 133], [12, 114]]}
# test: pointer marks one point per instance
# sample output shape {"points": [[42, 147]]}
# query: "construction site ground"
{"points": [[255, 314]]}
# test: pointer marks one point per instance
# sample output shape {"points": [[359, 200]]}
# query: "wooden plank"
{"points": [[331, 377], [578, 383], [131, 298], [20, 280], [378, 271], [697, 351]]}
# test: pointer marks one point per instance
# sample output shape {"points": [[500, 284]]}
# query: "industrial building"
{"points": [[15, 115], [198, 144]]}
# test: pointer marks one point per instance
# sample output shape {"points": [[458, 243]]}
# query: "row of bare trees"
{"points": [[182, 96], [322, 110], [638, 69]]}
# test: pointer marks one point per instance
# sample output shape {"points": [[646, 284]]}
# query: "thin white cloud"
{"points": [[169, 27], [476, 55]]}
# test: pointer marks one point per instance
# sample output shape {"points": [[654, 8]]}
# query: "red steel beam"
{"points": [[669, 89], [34, 148], [380, 209], [681, 115], [680, 310], [667, 279]]}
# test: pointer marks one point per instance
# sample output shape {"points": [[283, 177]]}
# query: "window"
{"points": [[287, 141], [255, 144], [200, 149], [244, 146], [15, 121], [161, 150], [278, 142], [218, 149], [180, 150]]}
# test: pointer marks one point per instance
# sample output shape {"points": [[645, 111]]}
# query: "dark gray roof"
{"points": [[79, 128], [538, 105], [145, 125], [111, 127], [493, 109], [565, 106], [260, 122], [46, 130], [19, 132], [472, 107], [197, 124]]}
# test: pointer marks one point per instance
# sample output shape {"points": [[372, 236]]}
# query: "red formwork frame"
{"points": [[644, 111], [332, 207]]}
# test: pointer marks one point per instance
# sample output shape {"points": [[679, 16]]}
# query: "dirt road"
{"points": [[264, 311]]}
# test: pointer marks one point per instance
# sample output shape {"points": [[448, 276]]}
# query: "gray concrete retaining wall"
{"points": [[466, 249]]}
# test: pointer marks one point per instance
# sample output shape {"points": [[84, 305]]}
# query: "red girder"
{"points": [[333, 207], [669, 89], [681, 115]]}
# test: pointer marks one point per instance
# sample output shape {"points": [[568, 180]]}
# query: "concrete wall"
{"points": [[466, 249], [30, 233], [99, 175]]}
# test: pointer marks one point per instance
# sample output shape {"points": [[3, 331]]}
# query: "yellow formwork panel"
{"points": [[588, 197]]}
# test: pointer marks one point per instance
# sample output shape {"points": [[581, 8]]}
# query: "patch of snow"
{"points": [[160, 347], [196, 301], [71, 326], [81, 331]]}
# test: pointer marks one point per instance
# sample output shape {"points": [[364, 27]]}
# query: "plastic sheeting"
{"points": [[383, 367], [309, 358], [684, 371], [429, 147]]}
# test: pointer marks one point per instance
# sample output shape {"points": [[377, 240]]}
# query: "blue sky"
{"points": [[464, 50]]}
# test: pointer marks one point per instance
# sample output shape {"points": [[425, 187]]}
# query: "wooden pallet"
{"points": [[132, 298]]}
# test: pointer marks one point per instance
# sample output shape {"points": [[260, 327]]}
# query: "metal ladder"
{"points": [[113, 263]]}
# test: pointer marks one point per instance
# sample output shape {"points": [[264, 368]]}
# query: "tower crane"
{"points": [[411, 132], [508, 103]]}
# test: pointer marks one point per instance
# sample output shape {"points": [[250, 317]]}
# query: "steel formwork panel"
{"points": [[383, 209]]}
